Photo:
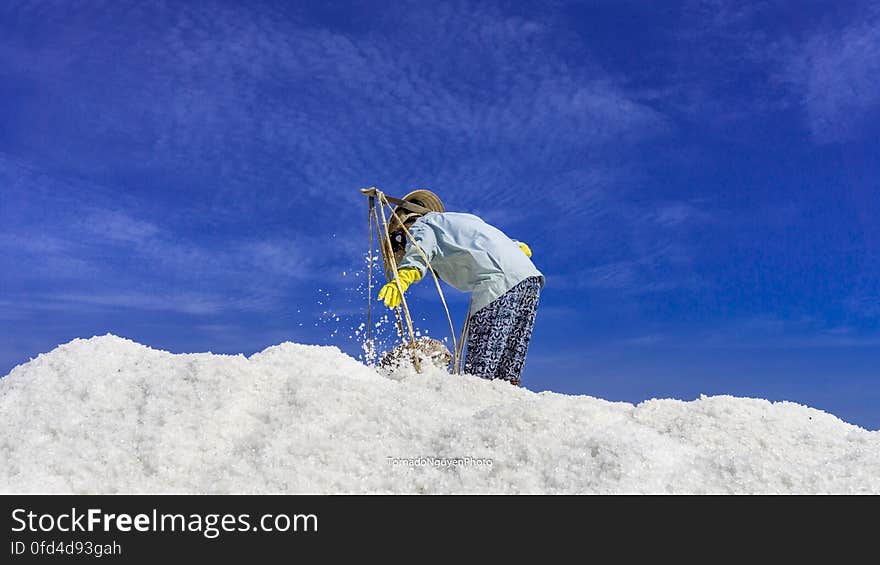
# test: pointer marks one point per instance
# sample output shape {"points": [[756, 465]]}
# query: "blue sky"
{"points": [[697, 180]]}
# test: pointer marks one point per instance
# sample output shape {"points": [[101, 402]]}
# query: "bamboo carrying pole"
{"points": [[404, 307], [400, 333]]}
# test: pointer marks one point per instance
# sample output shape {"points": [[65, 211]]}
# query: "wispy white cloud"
{"points": [[744, 61], [104, 251], [678, 213], [255, 96], [835, 76], [661, 268], [119, 226], [29, 257], [633, 247], [285, 119], [188, 303], [256, 99]]}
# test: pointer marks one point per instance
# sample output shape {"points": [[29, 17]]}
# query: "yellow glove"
{"points": [[389, 292], [525, 249]]}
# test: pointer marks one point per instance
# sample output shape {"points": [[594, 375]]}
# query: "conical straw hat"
{"points": [[421, 197]]}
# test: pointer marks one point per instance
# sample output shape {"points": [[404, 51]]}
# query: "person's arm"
{"points": [[424, 236], [413, 266]]}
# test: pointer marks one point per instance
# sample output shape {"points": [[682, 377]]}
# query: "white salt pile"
{"points": [[108, 415]]}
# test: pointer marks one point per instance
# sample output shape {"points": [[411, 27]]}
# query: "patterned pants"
{"points": [[498, 334]]}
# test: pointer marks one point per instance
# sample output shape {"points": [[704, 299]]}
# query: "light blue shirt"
{"points": [[469, 254]]}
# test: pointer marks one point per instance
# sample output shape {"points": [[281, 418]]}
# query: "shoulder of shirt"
{"points": [[438, 217]]}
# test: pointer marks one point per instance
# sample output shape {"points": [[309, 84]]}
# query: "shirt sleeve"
{"points": [[427, 240]]}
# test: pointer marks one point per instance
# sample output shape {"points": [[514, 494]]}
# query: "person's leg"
{"points": [[499, 334], [487, 336], [513, 360]]}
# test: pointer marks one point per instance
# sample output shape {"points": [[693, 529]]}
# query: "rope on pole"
{"points": [[421, 251], [393, 264], [400, 333], [457, 345], [458, 361]]}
